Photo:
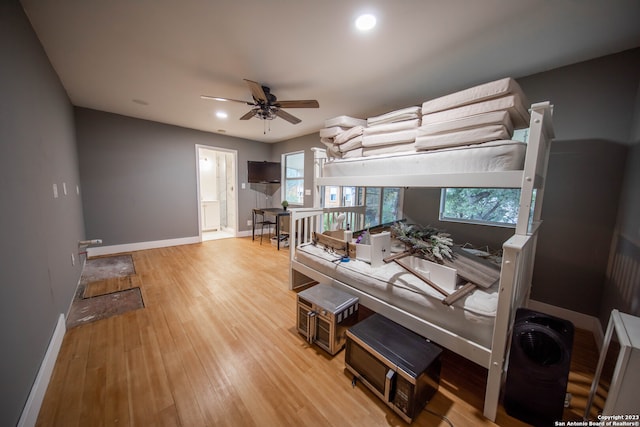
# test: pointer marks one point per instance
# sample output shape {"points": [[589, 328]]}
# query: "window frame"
{"points": [[443, 218]]}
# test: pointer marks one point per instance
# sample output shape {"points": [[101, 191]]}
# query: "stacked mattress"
{"points": [[483, 113], [342, 136], [391, 132], [486, 113]]}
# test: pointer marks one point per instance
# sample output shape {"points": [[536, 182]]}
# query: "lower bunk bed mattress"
{"points": [[472, 317], [493, 156]]}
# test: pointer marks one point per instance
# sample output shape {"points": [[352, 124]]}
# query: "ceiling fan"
{"points": [[266, 106]]}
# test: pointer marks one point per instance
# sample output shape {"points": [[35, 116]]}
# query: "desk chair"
{"points": [[264, 223]]}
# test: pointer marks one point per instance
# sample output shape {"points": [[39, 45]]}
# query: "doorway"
{"points": [[217, 196]]}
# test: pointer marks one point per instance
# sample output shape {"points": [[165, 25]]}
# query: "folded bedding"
{"points": [[392, 127], [511, 103], [344, 121], [348, 134], [479, 93], [398, 137], [408, 113], [469, 122], [463, 137]]}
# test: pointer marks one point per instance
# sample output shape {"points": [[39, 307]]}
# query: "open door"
{"points": [[217, 192]]}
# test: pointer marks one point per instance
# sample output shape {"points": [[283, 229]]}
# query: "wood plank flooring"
{"points": [[216, 345]]}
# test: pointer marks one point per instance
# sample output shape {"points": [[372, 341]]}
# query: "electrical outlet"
{"points": [[55, 191], [249, 222]]}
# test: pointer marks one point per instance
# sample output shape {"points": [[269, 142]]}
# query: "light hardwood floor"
{"points": [[217, 345]]}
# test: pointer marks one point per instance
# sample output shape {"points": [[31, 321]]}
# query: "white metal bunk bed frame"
{"points": [[518, 251]]}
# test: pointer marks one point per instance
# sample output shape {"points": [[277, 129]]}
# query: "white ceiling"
{"points": [[152, 59]]}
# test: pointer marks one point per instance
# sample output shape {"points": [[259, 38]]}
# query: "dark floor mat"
{"points": [[107, 267], [103, 306]]}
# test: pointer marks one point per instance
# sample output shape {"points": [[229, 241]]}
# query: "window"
{"points": [[383, 205], [489, 206], [293, 188]]}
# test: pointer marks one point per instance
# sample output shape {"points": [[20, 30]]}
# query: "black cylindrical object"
{"points": [[538, 370]]}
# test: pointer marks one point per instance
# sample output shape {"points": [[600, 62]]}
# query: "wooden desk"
{"points": [[277, 213]]}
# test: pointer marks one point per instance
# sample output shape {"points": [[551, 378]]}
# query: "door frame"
{"points": [[234, 153]]}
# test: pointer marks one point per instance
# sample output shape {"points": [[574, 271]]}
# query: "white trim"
{"points": [[129, 247], [579, 320], [36, 396]]}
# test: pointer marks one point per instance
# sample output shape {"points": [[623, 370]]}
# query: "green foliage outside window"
{"points": [[497, 206]]}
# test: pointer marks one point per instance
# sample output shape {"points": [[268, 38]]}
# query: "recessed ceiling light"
{"points": [[365, 22], [221, 115]]}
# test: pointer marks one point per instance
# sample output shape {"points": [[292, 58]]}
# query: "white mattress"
{"points": [[407, 148], [483, 92], [486, 157], [343, 137], [511, 103], [471, 317], [355, 152], [331, 132], [462, 137], [344, 121], [408, 113], [469, 122], [352, 144], [392, 127], [397, 137]]}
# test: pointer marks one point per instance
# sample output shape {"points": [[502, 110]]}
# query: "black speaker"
{"points": [[538, 370]]}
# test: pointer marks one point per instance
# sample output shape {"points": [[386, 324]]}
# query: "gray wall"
{"points": [[139, 177], [39, 233]]}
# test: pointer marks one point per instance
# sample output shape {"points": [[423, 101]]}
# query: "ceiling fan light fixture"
{"points": [[265, 114]]}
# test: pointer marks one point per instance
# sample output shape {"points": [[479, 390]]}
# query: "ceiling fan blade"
{"points": [[256, 91], [248, 115], [217, 98], [301, 103], [288, 117]]}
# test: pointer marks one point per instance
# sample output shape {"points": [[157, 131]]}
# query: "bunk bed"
{"points": [[478, 326]]}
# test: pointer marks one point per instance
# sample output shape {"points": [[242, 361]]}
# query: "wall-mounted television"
{"points": [[263, 172]]}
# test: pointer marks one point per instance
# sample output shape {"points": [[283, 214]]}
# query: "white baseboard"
{"points": [[36, 396], [579, 320], [130, 247]]}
